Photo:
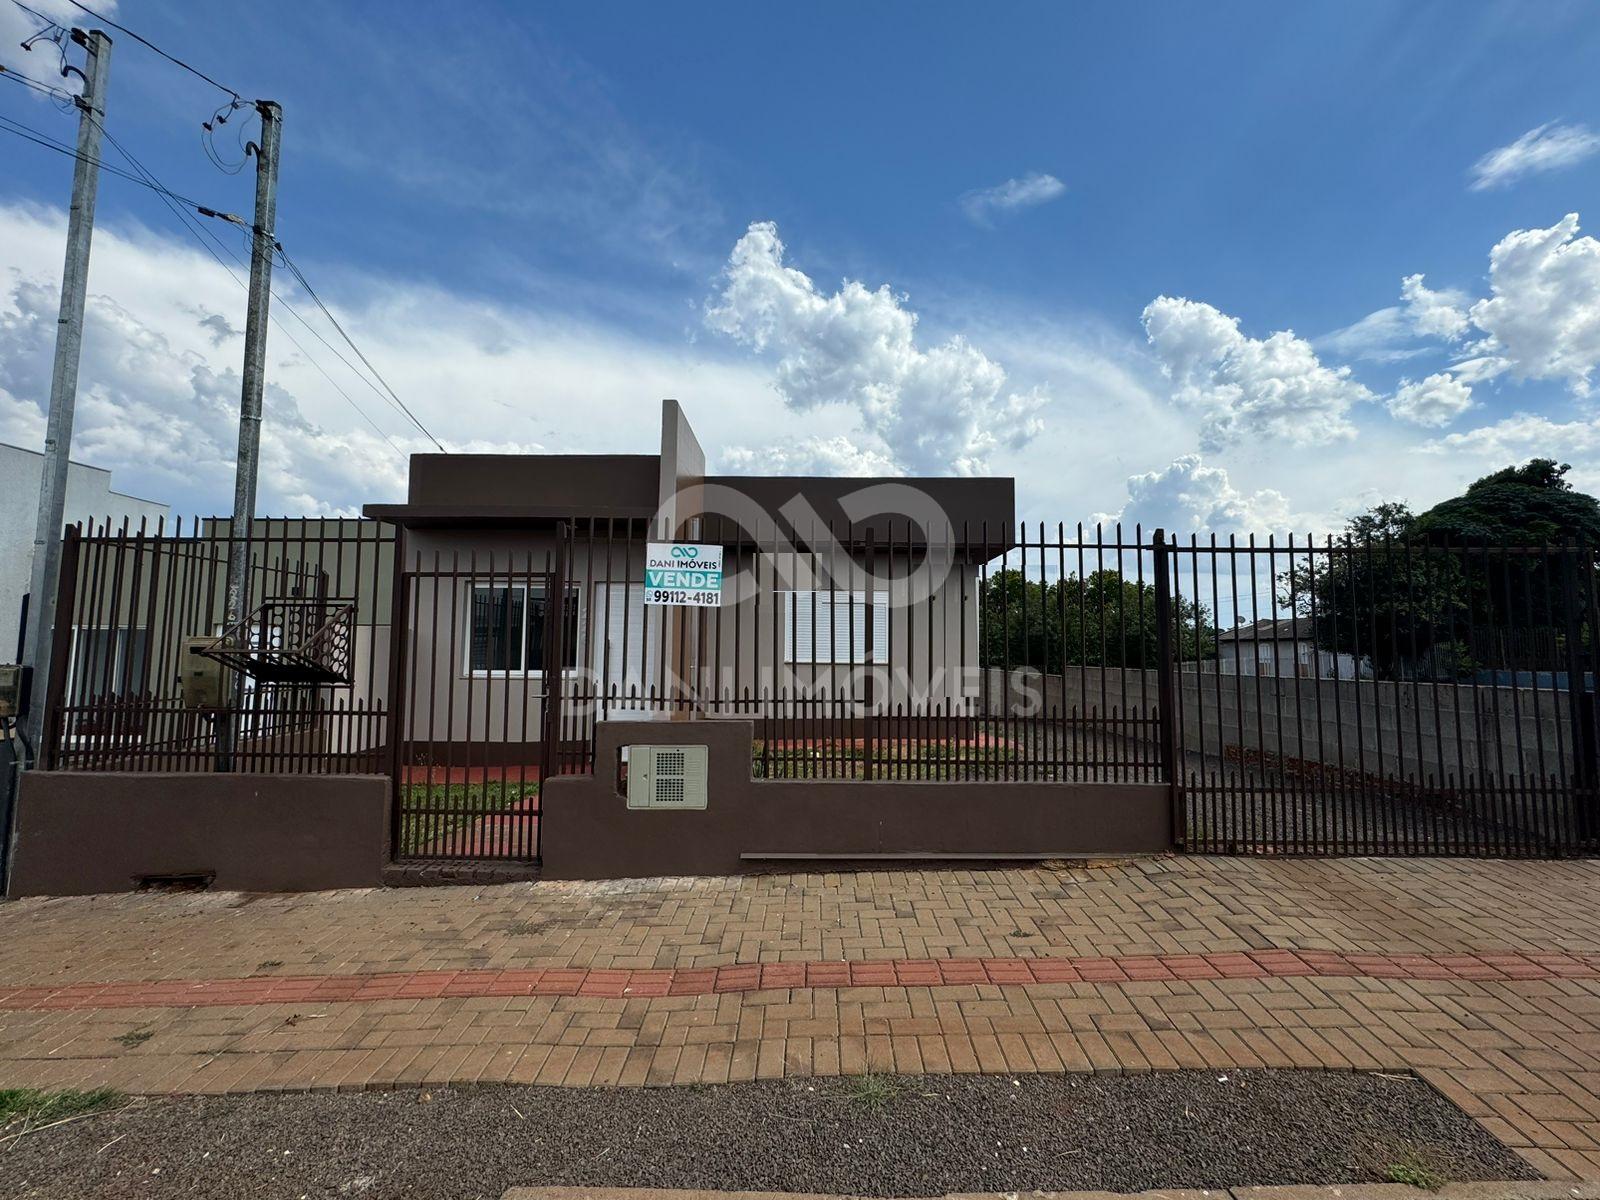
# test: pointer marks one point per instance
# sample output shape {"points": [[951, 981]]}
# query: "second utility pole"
{"points": [[250, 400]]}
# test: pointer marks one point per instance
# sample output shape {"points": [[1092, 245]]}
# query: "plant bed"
{"points": [[874, 1135]]}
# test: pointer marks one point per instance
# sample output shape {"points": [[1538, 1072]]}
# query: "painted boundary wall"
{"points": [[751, 824], [81, 832]]}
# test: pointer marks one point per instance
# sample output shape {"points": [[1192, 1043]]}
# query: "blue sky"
{"points": [[536, 219]]}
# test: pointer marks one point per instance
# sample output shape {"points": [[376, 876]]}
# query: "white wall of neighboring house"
{"points": [[89, 498], [1284, 657]]}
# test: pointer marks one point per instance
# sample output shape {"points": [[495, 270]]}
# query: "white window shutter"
{"points": [[831, 627]]}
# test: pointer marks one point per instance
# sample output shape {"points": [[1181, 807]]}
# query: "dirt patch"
{"points": [[895, 1136]]}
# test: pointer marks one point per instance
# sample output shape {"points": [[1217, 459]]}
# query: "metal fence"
{"points": [[1387, 696], [1399, 696], [134, 601]]}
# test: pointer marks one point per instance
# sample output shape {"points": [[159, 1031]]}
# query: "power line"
{"points": [[204, 236], [310, 291], [39, 138], [37, 85], [147, 179], [148, 44]]}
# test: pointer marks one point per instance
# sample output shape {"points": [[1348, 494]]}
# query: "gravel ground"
{"points": [[925, 1136]]}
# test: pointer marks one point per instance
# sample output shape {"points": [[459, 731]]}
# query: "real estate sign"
{"points": [[683, 573]]}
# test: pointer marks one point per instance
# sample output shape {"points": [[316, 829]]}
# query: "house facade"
{"points": [[839, 594], [1285, 648], [90, 496]]}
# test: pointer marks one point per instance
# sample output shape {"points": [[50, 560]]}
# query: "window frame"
{"points": [[468, 671]]}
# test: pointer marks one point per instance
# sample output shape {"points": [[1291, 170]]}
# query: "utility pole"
{"points": [[64, 381], [255, 354]]}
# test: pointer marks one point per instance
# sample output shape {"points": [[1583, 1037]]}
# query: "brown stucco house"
{"points": [[838, 593]]}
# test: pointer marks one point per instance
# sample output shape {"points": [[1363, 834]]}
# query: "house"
{"points": [[89, 497], [1282, 647], [838, 593]]}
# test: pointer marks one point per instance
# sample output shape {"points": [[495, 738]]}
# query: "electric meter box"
{"points": [[13, 690], [667, 776], [201, 677]]}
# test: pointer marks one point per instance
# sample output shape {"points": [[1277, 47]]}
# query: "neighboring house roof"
{"points": [[1290, 629]]}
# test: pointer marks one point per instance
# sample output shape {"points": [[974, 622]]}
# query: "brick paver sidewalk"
{"points": [[1483, 976]]}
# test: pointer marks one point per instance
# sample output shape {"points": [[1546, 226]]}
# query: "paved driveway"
{"points": [[1483, 976]]}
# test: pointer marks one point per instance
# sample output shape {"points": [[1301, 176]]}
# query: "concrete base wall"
{"points": [[590, 833], [80, 832]]}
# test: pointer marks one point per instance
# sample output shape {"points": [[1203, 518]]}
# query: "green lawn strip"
{"points": [[31, 1107], [466, 802]]}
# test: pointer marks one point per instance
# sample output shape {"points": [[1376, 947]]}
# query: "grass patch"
{"points": [[445, 808], [134, 1037], [34, 1107], [872, 1092], [1413, 1171]]}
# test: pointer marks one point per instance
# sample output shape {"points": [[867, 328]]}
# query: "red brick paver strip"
{"points": [[933, 973]]}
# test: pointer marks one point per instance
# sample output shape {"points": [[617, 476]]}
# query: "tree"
{"points": [[1529, 505], [1379, 594], [1102, 620], [1484, 575]]}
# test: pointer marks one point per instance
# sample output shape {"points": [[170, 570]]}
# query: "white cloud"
{"points": [[158, 398], [1381, 336], [1028, 191], [1548, 147], [1189, 497], [1434, 314], [1389, 335], [810, 456], [936, 410], [1436, 400], [1543, 315], [1523, 436], [1248, 387]]}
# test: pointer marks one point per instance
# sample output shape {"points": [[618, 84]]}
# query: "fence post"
{"points": [[868, 729], [1165, 691], [554, 656], [398, 620], [1583, 676], [46, 753]]}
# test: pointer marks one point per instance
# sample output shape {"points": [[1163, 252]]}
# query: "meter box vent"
{"points": [[667, 776]]}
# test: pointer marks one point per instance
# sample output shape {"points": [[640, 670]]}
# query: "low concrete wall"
{"points": [[1424, 730], [80, 832], [590, 833]]}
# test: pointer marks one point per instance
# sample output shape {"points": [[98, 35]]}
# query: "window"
{"points": [[108, 662], [831, 627], [506, 630]]}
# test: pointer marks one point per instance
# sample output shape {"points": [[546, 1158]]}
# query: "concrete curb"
{"points": [[1509, 1190]]}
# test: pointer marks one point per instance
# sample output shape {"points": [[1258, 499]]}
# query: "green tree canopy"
{"points": [[1101, 619], [1440, 591], [1525, 506]]}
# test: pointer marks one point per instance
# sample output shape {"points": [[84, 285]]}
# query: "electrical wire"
{"points": [[148, 44], [28, 133], [312, 292], [206, 239], [147, 179], [44, 89]]}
